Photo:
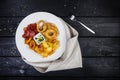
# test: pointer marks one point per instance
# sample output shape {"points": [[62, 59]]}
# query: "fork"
{"points": [[74, 19]]}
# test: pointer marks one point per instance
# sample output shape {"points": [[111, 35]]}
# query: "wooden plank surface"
{"points": [[60, 7], [57, 78], [89, 47], [108, 27], [100, 52], [99, 67], [25, 7]]}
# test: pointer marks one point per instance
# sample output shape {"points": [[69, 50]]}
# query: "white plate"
{"points": [[29, 54]]}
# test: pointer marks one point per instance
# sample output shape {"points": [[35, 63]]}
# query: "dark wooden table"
{"points": [[100, 52]]}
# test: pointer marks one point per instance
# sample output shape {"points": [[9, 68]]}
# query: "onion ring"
{"points": [[51, 34], [28, 40], [41, 26], [32, 44], [52, 26]]}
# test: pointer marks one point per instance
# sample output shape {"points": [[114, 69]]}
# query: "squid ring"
{"points": [[51, 34], [41, 26], [32, 44], [52, 26], [28, 40]]}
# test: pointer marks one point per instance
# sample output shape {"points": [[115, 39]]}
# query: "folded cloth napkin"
{"points": [[70, 59]]}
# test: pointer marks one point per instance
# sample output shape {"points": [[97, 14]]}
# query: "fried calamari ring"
{"points": [[28, 40], [32, 44], [41, 26], [52, 26], [51, 34], [39, 49]]}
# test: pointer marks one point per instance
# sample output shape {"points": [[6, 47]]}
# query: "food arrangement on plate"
{"points": [[41, 37]]}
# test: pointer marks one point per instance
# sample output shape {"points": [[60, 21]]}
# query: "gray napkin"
{"points": [[70, 59]]}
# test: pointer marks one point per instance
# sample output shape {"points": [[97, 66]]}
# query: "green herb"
{"points": [[40, 39]]}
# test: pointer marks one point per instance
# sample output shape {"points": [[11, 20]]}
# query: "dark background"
{"points": [[100, 52]]}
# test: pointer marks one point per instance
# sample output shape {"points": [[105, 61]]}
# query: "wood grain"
{"points": [[100, 52], [57, 78], [60, 7], [89, 47], [99, 67], [25, 7], [104, 27]]}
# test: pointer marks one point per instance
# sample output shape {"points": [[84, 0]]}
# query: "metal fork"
{"points": [[74, 19]]}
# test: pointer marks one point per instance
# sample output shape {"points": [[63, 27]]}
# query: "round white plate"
{"points": [[29, 54]]}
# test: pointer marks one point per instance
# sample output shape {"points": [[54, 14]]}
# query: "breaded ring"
{"points": [[27, 40], [52, 26], [51, 34], [41, 26], [32, 44]]}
